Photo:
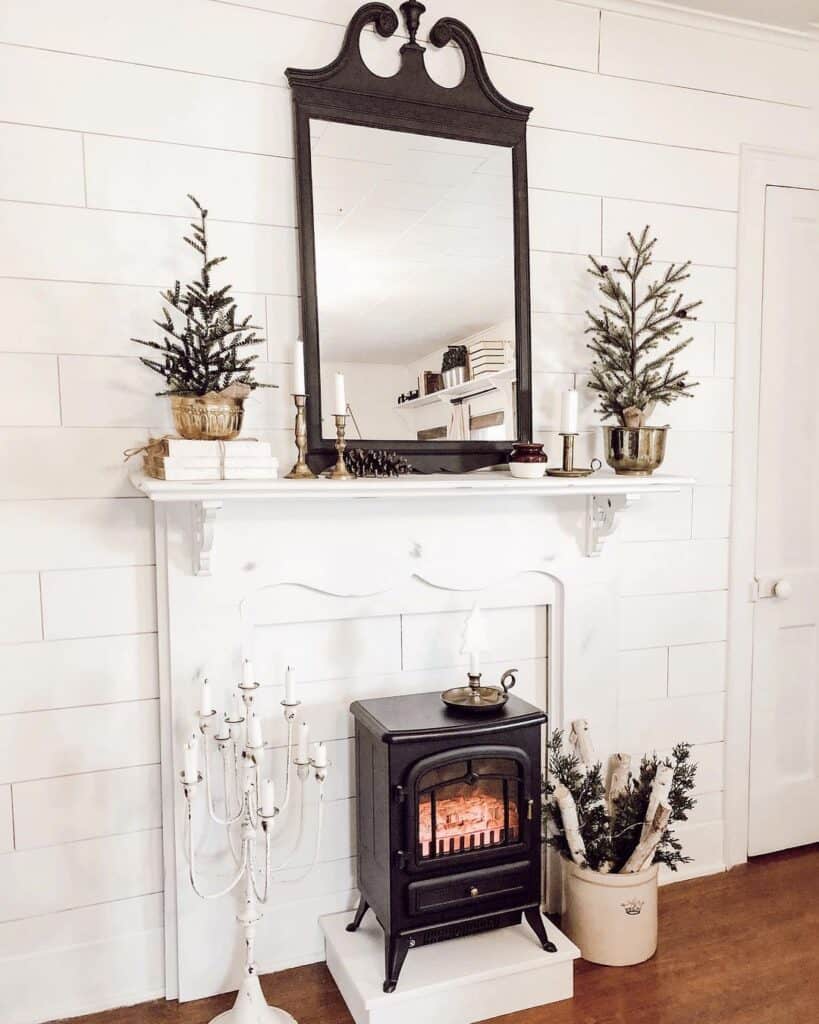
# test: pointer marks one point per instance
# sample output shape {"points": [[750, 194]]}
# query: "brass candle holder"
{"points": [[300, 470], [568, 468], [340, 471]]}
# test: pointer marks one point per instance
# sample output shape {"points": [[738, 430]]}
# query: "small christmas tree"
{"points": [[205, 355], [630, 373]]}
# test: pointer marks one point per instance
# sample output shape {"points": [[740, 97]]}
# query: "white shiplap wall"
{"points": [[107, 119]]}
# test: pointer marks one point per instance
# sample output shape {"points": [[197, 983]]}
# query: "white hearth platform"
{"points": [[455, 982]]}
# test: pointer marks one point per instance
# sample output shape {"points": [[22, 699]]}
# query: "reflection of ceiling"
{"points": [[413, 241], [794, 14]]}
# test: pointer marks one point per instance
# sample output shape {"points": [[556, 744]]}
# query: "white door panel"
{"points": [[784, 797]]}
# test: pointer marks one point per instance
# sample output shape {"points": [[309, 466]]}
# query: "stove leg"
{"points": [[535, 922], [395, 950], [361, 910]]}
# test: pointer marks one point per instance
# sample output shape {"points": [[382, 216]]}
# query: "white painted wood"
{"points": [[668, 567], [462, 981], [95, 957], [103, 533], [46, 744], [784, 798], [703, 454], [712, 512], [559, 343], [238, 186], [660, 51], [725, 343], [48, 812], [20, 618], [672, 619], [659, 725], [658, 517], [139, 249], [112, 98], [34, 400], [696, 668], [642, 675], [78, 874], [713, 409], [561, 222], [98, 602], [707, 237], [30, 156], [76, 673], [435, 641], [123, 390], [621, 169], [710, 758], [6, 820]]}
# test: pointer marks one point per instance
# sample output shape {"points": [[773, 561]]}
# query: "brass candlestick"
{"points": [[340, 471], [300, 470], [568, 468]]}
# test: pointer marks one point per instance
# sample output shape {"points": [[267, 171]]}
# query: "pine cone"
{"points": [[377, 462]]}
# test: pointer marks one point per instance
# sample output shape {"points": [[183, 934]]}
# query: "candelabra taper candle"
{"points": [[300, 470], [340, 471], [249, 815]]}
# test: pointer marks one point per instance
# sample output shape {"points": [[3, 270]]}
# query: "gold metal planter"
{"points": [[634, 451], [210, 417]]}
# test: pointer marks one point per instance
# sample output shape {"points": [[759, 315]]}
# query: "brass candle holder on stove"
{"points": [[475, 697], [568, 469]]}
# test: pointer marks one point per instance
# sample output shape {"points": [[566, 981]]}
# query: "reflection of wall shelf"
{"points": [[466, 390]]}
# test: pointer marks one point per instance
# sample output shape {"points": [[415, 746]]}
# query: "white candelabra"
{"points": [[249, 815]]}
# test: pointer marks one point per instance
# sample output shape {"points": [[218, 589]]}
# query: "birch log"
{"points": [[571, 826], [580, 739], [660, 788], [619, 771], [643, 853]]}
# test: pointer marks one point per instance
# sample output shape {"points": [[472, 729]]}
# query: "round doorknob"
{"points": [[783, 589], [474, 891]]}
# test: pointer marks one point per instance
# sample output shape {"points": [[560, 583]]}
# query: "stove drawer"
{"points": [[469, 888]]}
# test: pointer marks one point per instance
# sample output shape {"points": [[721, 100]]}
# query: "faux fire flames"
{"points": [[465, 820]]}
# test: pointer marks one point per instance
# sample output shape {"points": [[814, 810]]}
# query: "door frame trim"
{"points": [[759, 169]]}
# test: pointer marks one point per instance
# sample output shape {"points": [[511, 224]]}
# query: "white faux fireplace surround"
{"points": [[365, 598]]}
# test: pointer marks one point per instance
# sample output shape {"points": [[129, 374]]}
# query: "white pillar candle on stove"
{"points": [[320, 760], [302, 735], [474, 663], [248, 678], [268, 798], [191, 763], [290, 685], [341, 397], [254, 732], [298, 368], [205, 700], [568, 412]]}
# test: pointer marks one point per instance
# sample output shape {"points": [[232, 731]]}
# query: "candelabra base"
{"points": [[251, 1008]]}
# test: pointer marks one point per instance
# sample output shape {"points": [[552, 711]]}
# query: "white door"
{"points": [[784, 792]]}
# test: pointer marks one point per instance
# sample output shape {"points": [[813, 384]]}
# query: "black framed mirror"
{"points": [[414, 248]]}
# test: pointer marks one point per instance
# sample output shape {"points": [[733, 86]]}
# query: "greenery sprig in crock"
{"points": [[455, 355], [204, 348], [630, 372]]}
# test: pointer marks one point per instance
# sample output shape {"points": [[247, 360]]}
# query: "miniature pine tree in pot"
{"points": [[203, 357], [635, 339]]}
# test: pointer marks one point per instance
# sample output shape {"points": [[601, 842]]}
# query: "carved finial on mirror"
{"points": [[412, 12]]}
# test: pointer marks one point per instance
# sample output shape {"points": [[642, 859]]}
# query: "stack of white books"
{"points": [[487, 357], [174, 458]]}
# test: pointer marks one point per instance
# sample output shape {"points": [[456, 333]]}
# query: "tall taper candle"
{"points": [[205, 701], [568, 412], [268, 798], [320, 760], [341, 397], [247, 672], [290, 685], [191, 763], [298, 368], [254, 732], [302, 736]]}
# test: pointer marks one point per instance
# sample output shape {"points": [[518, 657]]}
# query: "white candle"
{"points": [[568, 412], [290, 685], [205, 701], [254, 732], [474, 663], [236, 709], [298, 368], [320, 760], [302, 734], [247, 672], [268, 798], [191, 763], [341, 398]]}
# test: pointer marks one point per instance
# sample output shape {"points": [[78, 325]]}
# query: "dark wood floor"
{"points": [[741, 948]]}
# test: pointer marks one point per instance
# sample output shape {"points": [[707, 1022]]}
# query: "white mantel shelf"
{"points": [[605, 495]]}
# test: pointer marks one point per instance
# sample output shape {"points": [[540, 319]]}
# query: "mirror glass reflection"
{"points": [[415, 284]]}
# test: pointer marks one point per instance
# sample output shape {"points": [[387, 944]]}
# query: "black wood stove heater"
{"points": [[448, 820]]}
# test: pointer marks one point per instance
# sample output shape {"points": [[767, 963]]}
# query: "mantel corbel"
{"points": [[601, 518], [205, 514]]}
